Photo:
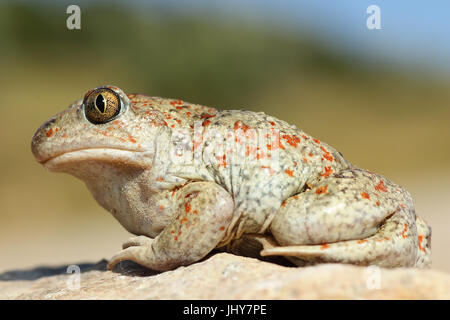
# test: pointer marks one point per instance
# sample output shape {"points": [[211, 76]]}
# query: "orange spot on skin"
{"points": [[187, 207], [293, 140], [295, 197], [289, 172], [381, 187], [175, 102], [196, 144], [328, 156], [327, 172], [131, 139], [316, 141], [222, 228], [222, 161], [324, 246], [206, 116], [361, 241], [272, 123], [321, 190], [183, 220], [310, 154], [386, 238], [283, 204], [305, 160], [404, 236], [161, 207], [420, 243], [304, 136], [240, 125], [49, 133], [206, 122], [377, 203], [365, 195]]}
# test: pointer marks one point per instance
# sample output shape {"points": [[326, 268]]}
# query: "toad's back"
{"points": [[262, 161]]}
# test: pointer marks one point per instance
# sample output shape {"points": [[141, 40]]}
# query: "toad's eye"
{"points": [[101, 106]]}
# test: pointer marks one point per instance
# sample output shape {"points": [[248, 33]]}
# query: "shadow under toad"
{"points": [[125, 267], [128, 268]]}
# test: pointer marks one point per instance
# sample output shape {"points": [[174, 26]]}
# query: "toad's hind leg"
{"points": [[354, 216]]}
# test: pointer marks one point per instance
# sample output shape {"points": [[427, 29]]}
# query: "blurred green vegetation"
{"points": [[379, 117], [202, 58]]}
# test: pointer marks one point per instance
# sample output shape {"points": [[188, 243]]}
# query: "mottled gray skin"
{"points": [[187, 179]]}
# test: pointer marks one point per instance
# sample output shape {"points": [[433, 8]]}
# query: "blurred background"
{"points": [[381, 97]]}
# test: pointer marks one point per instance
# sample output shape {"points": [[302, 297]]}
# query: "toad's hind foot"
{"points": [[393, 246]]}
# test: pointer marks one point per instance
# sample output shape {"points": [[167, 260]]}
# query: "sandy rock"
{"points": [[226, 276]]}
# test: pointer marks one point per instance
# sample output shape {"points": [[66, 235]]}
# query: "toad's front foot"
{"points": [[204, 211]]}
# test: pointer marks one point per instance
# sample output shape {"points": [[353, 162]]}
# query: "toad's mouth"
{"points": [[120, 157]]}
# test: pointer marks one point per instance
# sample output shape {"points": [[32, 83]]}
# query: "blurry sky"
{"points": [[413, 32]]}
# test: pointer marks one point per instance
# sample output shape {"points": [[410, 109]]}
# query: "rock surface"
{"points": [[226, 276]]}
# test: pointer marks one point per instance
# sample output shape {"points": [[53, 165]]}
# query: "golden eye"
{"points": [[102, 105]]}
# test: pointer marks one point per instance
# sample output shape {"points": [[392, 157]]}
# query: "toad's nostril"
{"points": [[38, 137], [49, 122]]}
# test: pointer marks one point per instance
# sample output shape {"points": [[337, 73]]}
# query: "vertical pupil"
{"points": [[100, 104]]}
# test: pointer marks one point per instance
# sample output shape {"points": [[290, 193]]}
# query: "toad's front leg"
{"points": [[204, 211]]}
